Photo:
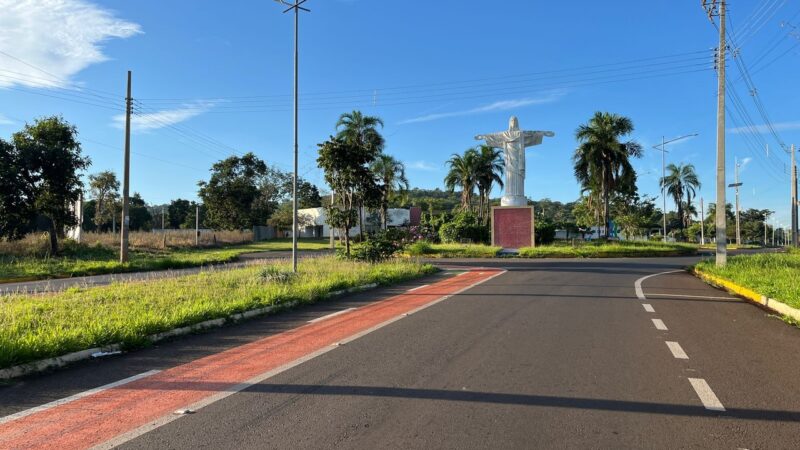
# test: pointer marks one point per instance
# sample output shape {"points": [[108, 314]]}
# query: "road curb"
{"points": [[82, 355], [748, 294]]}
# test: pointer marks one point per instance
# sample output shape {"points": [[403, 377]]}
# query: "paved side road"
{"points": [[548, 354], [60, 284]]}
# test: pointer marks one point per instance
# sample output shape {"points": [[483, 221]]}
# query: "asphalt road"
{"points": [[549, 354]]}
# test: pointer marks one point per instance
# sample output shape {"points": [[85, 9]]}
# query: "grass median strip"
{"points": [[98, 260], [36, 327], [616, 249], [773, 275]]}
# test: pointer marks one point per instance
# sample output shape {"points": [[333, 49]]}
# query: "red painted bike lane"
{"points": [[123, 412]]}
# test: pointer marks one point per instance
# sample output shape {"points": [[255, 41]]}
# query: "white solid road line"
{"points": [[691, 296], [638, 284], [320, 319], [418, 287], [659, 324], [72, 398], [677, 350], [648, 307], [707, 396]]}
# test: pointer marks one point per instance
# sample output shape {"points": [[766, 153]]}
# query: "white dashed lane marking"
{"points": [[659, 324], [707, 396], [677, 350], [648, 307]]}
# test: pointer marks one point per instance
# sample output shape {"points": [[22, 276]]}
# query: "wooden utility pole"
{"points": [[126, 178]]}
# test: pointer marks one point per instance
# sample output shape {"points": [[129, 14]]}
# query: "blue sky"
{"points": [[216, 78]]}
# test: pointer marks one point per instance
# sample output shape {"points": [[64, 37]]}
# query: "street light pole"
{"points": [[664, 175], [296, 7]]}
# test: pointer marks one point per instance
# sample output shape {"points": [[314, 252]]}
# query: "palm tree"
{"points": [[463, 173], [392, 175], [679, 180], [490, 168], [601, 161], [354, 127], [357, 129]]}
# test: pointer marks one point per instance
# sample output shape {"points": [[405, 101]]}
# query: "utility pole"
{"points": [[736, 185], [296, 7], [126, 178], [766, 217], [664, 175], [330, 228], [197, 226], [163, 222], [794, 198], [717, 7], [702, 223]]}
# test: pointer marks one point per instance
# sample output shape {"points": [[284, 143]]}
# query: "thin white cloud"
{"points": [[421, 165], [46, 42], [159, 119], [743, 163], [502, 105], [5, 120], [763, 129]]}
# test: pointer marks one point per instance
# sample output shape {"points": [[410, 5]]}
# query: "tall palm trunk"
{"points": [[606, 202]]}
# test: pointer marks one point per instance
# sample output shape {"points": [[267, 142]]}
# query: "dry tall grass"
{"points": [[37, 244]]}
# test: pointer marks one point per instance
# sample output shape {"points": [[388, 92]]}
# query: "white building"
{"points": [[397, 217]]}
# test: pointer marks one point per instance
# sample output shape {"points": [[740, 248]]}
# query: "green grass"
{"points": [[452, 250], [560, 250], [732, 246], [775, 275], [617, 249], [36, 327], [81, 260]]}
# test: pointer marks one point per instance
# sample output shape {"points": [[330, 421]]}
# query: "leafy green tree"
{"points": [[602, 161], [489, 172], [463, 173], [104, 188], [282, 218], [346, 166], [140, 217], [16, 202], [679, 180], [307, 195], [52, 161], [233, 194], [391, 173], [178, 211]]}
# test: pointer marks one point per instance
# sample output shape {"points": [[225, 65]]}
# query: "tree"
{"points": [[16, 202], [601, 162], [307, 195], [679, 180], [463, 173], [490, 168], [104, 188], [52, 162], [346, 167], [391, 173], [140, 217], [232, 194], [283, 218], [177, 212]]}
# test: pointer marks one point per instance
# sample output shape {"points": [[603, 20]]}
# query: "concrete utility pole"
{"points": [[766, 217], [736, 185], [794, 198], [702, 223], [713, 8], [197, 226], [664, 175], [163, 222], [296, 7], [126, 178], [330, 228]]}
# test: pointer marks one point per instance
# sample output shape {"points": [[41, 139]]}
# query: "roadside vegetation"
{"points": [[774, 275], [22, 262], [36, 327], [557, 250]]}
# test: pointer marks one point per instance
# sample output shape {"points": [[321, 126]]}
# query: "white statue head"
{"points": [[513, 123]]}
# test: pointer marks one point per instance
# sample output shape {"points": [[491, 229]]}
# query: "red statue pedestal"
{"points": [[512, 227]]}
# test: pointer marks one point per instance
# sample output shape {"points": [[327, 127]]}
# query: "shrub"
{"points": [[464, 227], [379, 246], [420, 248], [545, 233]]}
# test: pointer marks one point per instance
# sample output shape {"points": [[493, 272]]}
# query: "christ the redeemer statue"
{"points": [[513, 142]]}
